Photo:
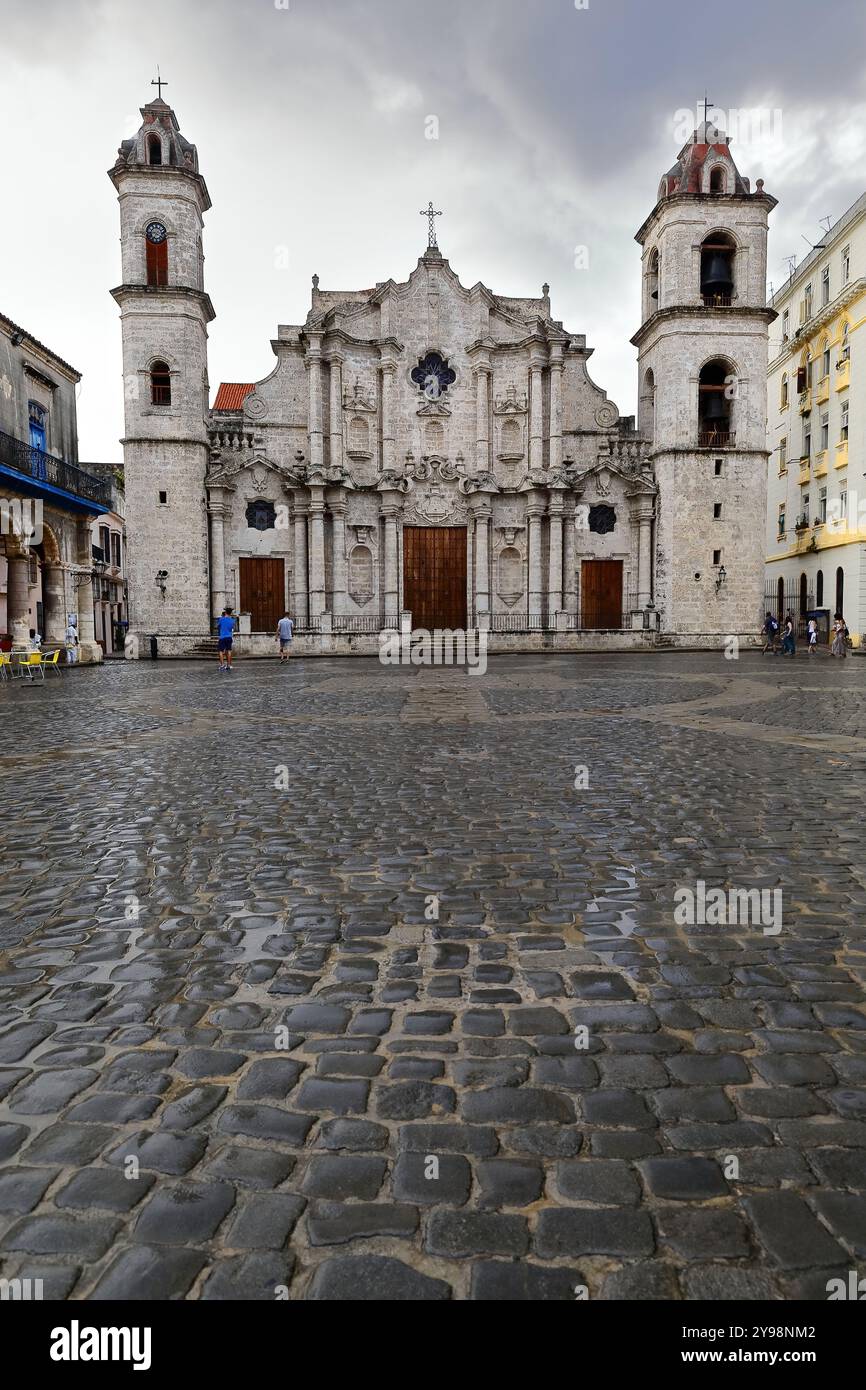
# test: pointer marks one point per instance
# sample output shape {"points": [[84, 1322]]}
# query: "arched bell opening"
{"points": [[718, 253], [652, 278], [716, 390], [647, 405]]}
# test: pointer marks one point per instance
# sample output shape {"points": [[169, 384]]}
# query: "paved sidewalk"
{"points": [[342, 981]]}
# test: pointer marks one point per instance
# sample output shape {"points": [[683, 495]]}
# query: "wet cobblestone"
{"points": [[422, 1025]]}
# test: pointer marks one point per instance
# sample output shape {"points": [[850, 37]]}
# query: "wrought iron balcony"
{"points": [[716, 439], [44, 468]]}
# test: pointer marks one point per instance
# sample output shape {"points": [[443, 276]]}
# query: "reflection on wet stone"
{"points": [[425, 1026]]}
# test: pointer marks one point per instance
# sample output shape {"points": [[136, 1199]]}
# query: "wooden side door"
{"points": [[434, 576], [263, 591], [601, 594]]}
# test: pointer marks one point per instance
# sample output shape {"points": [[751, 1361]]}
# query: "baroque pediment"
{"points": [[599, 477], [513, 402], [360, 398], [224, 471], [435, 502]]}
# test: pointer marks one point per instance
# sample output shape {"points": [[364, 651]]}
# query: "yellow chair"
{"points": [[29, 663], [5, 666], [49, 662]]}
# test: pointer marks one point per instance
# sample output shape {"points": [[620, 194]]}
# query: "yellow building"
{"points": [[816, 422]]}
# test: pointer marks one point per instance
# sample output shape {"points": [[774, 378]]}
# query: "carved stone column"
{"points": [[219, 509], [390, 510], [302, 606], [336, 410], [554, 557], [642, 512], [556, 367], [339, 577], [482, 512], [314, 374], [317, 552], [89, 649], [536, 409], [569, 585], [54, 595], [17, 599], [389, 444], [534, 513], [482, 415]]}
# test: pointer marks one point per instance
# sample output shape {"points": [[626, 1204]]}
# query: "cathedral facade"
{"points": [[426, 455]]}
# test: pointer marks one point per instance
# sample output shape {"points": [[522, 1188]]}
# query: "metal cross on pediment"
{"points": [[707, 105], [431, 215], [159, 82]]}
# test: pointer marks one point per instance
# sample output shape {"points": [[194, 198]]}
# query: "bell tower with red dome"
{"points": [[702, 366]]}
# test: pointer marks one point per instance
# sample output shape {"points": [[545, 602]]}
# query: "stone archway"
{"points": [[53, 589]]}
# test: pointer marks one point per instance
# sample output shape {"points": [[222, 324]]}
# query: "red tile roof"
{"points": [[232, 394]]}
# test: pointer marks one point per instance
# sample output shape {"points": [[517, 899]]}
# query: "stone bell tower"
{"points": [[702, 365], [164, 317]]}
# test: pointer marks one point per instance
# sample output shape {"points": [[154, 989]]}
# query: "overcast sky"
{"points": [[312, 123]]}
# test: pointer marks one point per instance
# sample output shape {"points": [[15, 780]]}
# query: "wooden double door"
{"points": [[601, 593], [434, 576], [263, 591]]}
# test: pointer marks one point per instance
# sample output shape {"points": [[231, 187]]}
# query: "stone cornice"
{"points": [[813, 326], [700, 311], [125, 291], [697, 200], [156, 441], [121, 171]]}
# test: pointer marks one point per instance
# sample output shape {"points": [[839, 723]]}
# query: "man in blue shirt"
{"points": [[285, 630], [225, 632]]}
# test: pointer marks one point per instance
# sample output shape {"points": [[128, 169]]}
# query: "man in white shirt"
{"points": [[71, 643], [285, 630]]}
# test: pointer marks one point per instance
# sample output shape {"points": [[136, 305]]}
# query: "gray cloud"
{"points": [[554, 127]]}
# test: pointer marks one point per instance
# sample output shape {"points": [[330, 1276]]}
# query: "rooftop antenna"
{"points": [[828, 219], [813, 245], [792, 265]]}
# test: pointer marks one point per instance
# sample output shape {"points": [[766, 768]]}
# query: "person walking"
{"points": [[285, 632], [840, 638], [813, 637], [771, 633], [71, 642], [789, 643], [225, 633]]}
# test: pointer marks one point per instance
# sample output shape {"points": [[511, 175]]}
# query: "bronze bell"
{"points": [[717, 276], [715, 407]]}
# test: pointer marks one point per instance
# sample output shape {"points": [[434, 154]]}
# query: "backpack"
{"points": [[774, 626]]}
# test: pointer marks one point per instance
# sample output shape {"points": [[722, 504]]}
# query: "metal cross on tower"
{"points": [[431, 216], [159, 82]]}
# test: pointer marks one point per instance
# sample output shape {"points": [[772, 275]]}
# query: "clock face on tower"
{"points": [[155, 232]]}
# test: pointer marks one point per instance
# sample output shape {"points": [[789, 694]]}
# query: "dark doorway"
{"points": [[601, 594], [434, 576], [263, 592]]}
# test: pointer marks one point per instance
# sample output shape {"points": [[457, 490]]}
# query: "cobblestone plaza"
{"points": [[343, 981]]}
